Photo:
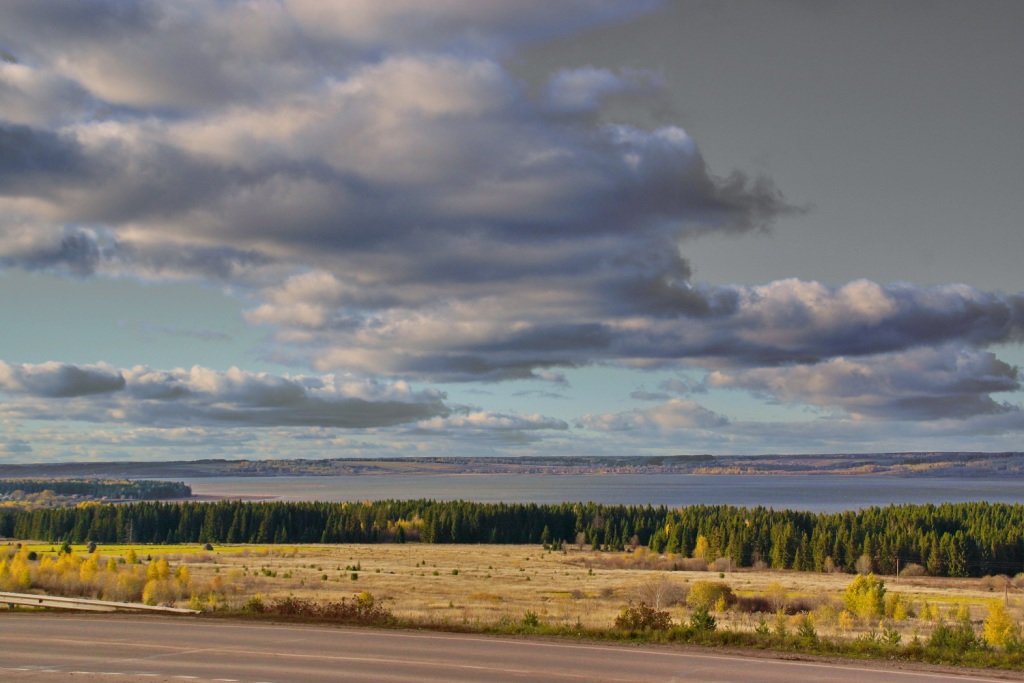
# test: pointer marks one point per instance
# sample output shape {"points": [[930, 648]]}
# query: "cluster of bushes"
{"points": [[361, 609], [865, 600], [955, 643], [643, 617], [91, 575]]}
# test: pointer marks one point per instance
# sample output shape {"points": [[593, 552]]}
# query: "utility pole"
{"points": [[897, 569]]}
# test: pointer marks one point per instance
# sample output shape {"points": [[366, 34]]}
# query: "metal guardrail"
{"points": [[84, 604]]}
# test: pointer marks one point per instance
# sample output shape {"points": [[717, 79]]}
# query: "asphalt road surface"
{"points": [[64, 647]]}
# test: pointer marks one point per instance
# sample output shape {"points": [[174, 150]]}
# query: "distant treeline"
{"points": [[139, 489], [964, 539]]}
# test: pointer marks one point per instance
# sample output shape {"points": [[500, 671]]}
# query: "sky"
{"points": [[289, 228]]}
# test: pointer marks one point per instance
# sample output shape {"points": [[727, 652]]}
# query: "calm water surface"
{"points": [[816, 492]]}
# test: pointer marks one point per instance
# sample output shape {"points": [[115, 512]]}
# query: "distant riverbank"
{"points": [[961, 465], [821, 493]]}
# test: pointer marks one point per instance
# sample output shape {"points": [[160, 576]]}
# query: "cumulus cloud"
{"points": [[479, 419], [675, 415], [390, 199], [438, 220], [483, 427], [583, 90], [60, 380], [519, 333], [927, 383], [201, 396], [388, 147], [144, 54]]}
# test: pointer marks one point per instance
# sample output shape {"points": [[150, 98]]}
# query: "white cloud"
{"points": [[675, 415], [60, 380], [394, 201], [482, 420], [531, 329], [926, 383], [583, 90], [201, 396]]}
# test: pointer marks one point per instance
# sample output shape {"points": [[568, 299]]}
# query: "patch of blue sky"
{"points": [[123, 322]]}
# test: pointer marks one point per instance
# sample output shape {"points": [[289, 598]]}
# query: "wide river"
{"points": [[812, 492]]}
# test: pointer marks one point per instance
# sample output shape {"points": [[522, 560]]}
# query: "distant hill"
{"points": [[959, 464]]}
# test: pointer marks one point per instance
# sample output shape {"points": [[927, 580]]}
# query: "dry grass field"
{"points": [[485, 584]]}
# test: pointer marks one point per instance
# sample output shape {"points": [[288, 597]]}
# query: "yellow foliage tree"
{"points": [[701, 548], [929, 611], [184, 577], [149, 592], [88, 569], [999, 627], [128, 586], [865, 597], [158, 569], [708, 595], [845, 620], [896, 607], [23, 579]]}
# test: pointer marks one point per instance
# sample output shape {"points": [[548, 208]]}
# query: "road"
{"points": [[60, 647]]}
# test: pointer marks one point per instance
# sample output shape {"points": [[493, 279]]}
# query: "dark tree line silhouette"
{"points": [[130, 489], [963, 539]]}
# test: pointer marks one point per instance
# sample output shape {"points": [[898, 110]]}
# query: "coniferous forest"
{"points": [[964, 539]]}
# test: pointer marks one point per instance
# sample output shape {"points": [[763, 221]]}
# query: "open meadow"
{"points": [[482, 585]]}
